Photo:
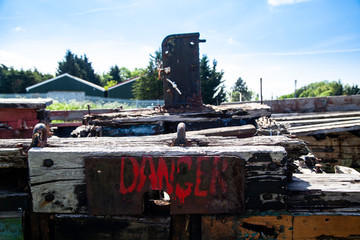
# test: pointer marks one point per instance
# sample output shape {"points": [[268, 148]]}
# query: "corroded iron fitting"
{"points": [[180, 139], [39, 136]]}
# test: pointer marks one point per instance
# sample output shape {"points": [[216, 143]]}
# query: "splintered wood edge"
{"points": [[276, 152]]}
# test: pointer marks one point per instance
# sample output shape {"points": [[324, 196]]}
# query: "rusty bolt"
{"points": [[48, 163], [39, 136], [49, 197], [272, 166], [318, 168], [180, 139]]}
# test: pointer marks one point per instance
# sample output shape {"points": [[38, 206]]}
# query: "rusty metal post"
{"points": [[39, 136], [180, 71]]}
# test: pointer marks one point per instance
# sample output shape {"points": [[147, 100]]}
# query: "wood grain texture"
{"points": [[323, 191], [25, 103], [60, 187], [277, 225]]}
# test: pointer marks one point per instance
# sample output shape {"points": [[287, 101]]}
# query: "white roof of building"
{"points": [[70, 76], [123, 83]]}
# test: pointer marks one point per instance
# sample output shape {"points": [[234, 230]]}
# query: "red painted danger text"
{"points": [[180, 177]]}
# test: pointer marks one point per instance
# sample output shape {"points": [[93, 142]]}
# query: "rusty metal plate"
{"points": [[181, 77], [196, 184]]}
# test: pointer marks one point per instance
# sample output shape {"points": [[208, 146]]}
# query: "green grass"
{"points": [[83, 105]]}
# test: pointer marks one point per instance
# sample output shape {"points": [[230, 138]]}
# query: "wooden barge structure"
{"points": [[219, 188], [192, 172]]}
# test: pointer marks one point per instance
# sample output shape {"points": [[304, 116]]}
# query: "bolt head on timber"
{"points": [[180, 139], [39, 136]]}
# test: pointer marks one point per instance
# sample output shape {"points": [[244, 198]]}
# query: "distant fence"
{"points": [[125, 102]]}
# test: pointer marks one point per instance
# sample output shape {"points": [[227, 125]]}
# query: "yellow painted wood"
{"points": [[281, 227], [313, 226], [253, 227]]}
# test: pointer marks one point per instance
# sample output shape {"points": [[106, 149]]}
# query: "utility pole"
{"points": [[295, 89], [261, 96]]}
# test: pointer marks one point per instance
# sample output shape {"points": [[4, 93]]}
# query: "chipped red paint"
{"points": [[18, 123]]}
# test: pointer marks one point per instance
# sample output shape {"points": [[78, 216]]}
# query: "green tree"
{"points": [[351, 90], [322, 89], [117, 75], [16, 81], [240, 87], [110, 84], [5, 80], [149, 86], [79, 67], [212, 87]]}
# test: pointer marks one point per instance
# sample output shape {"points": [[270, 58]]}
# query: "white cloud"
{"points": [[318, 52], [19, 29], [104, 9], [275, 3], [10, 59], [232, 41]]}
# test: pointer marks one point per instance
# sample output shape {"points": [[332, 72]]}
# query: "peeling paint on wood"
{"points": [[60, 179], [281, 226], [75, 227], [11, 226], [202, 184]]}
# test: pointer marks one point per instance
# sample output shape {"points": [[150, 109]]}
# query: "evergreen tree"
{"points": [[16, 81], [351, 90], [240, 87], [79, 67], [212, 87], [149, 86], [115, 74], [5, 80]]}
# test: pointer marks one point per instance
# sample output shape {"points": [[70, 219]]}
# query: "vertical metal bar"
{"points": [[261, 96]]}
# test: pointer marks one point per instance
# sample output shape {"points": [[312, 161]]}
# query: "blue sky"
{"points": [[277, 40]]}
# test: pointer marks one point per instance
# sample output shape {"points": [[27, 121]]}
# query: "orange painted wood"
{"points": [[315, 226], [247, 227], [285, 226]]}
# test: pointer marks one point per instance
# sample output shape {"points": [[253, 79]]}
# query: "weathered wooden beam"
{"points": [[323, 191], [12, 158], [57, 174], [347, 170], [290, 144], [33, 103], [298, 123], [335, 149], [71, 115], [324, 128], [237, 131], [313, 116], [282, 225], [121, 227], [239, 111]]}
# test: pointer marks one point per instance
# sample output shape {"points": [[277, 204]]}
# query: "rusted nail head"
{"points": [[49, 197], [272, 166], [48, 163]]}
